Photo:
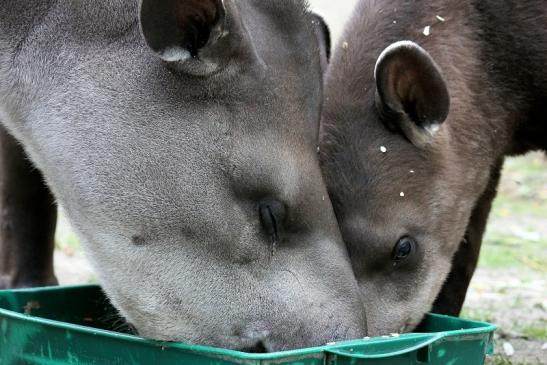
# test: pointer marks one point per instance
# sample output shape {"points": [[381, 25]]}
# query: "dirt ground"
{"points": [[510, 287], [515, 300]]}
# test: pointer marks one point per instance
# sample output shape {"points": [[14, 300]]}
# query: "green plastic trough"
{"points": [[73, 325]]}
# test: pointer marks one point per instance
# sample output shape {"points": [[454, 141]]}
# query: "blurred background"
{"points": [[510, 286]]}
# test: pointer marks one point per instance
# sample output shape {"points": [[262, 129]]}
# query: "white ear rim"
{"points": [[391, 48], [422, 136], [175, 54], [432, 129]]}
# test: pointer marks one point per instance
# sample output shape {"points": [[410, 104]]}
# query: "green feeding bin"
{"points": [[74, 325]]}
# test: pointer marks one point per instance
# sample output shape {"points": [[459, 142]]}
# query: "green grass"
{"points": [[65, 239], [506, 206], [503, 250], [503, 360], [500, 360], [516, 236], [483, 314], [537, 331]]}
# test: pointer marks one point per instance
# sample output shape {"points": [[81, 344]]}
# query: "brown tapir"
{"points": [[423, 101]]}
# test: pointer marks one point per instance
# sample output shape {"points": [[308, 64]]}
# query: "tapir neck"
{"points": [[513, 55]]}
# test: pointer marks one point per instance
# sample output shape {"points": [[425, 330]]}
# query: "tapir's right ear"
{"points": [[198, 36], [411, 92]]}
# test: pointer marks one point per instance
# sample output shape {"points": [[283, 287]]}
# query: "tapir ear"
{"points": [[192, 34], [411, 92], [322, 33]]}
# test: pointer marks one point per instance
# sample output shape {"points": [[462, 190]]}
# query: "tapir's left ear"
{"points": [[411, 92], [197, 36], [322, 33]]}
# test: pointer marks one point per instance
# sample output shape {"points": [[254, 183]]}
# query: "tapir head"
{"points": [[398, 172], [181, 138]]}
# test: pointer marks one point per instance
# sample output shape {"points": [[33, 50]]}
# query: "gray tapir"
{"points": [[180, 136], [423, 101]]}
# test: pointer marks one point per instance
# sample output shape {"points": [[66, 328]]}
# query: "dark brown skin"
{"points": [[445, 157], [27, 224]]}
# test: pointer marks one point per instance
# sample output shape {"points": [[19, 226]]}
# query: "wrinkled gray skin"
{"points": [[162, 166]]}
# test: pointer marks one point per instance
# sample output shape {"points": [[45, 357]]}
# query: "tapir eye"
{"points": [[271, 214], [403, 249]]}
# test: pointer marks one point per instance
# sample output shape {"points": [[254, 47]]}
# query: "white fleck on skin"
{"points": [[508, 349], [402, 194], [440, 18], [345, 45], [394, 22], [323, 198], [412, 171], [383, 149], [427, 30], [318, 149]]}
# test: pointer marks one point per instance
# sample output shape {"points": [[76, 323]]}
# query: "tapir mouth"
{"points": [[258, 348], [121, 325], [248, 345]]}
